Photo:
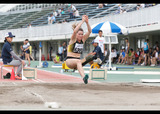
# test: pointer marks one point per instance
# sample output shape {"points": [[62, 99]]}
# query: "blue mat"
{"points": [[125, 67]]}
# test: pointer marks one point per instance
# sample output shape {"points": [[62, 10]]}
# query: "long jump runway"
{"points": [[47, 77]]}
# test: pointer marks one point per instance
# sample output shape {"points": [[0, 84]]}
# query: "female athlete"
{"points": [[75, 47]]}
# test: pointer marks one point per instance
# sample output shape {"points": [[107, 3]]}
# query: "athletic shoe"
{"points": [[18, 78], [99, 65], [142, 64], [153, 65], [29, 65], [85, 79]]}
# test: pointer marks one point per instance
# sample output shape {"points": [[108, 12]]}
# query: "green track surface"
{"points": [[112, 78]]}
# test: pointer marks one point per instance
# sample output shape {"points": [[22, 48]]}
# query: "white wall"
{"points": [[6, 7], [64, 31]]}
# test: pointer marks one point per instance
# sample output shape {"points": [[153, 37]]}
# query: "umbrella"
{"points": [[108, 28]]}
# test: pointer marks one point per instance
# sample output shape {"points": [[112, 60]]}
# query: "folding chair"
{"points": [[6, 66], [23, 78]]}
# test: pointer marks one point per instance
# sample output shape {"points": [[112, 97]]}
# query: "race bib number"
{"points": [[78, 48]]}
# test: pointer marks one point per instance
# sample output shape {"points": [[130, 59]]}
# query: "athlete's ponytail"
{"points": [[75, 25]]}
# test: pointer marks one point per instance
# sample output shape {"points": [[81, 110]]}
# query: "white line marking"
{"points": [[150, 80], [35, 80], [6, 69], [14, 83], [128, 72], [41, 81]]}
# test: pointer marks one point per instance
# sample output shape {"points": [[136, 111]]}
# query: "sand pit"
{"points": [[73, 96]]}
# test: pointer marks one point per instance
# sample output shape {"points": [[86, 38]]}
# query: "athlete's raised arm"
{"points": [[75, 29], [86, 36]]}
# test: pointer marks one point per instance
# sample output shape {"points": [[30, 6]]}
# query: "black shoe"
{"points": [[85, 79], [100, 65]]}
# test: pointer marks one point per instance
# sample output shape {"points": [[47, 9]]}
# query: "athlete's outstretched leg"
{"points": [[80, 68], [88, 59], [77, 64]]}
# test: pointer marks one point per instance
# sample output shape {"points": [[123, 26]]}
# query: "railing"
{"points": [[21, 8], [129, 20], [140, 17]]}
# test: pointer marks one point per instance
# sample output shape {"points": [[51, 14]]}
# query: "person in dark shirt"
{"points": [[96, 53], [8, 55], [64, 53]]}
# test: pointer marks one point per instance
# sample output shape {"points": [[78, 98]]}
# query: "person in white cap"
{"points": [[8, 55], [95, 54]]}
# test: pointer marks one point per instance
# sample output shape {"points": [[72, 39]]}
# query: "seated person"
{"points": [[158, 60], [57, 59], [113, 55], [122, 56], [9, 57], [141, 57], [131, 57], [154, 58], [49, 19], [149, 56], [136, 56], [97, 53], [76, 14], [53, 19], [100, 6]]}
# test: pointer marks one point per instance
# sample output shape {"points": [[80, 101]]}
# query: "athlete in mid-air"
{"points": [[75, 47]]}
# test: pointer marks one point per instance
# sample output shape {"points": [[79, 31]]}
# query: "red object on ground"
{"points": [[43, 58], [12, 75], [48, 57]]}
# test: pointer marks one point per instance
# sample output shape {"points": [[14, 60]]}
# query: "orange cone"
{"points": [[12, 75]]}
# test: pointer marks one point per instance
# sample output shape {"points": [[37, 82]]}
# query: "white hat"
{"points": [[95, 41], [9, 34]]}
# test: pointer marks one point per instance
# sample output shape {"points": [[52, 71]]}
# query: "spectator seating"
{"points": [[39, 18]]}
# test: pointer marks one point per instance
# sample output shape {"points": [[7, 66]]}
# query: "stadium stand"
{"points": [[140, 24], [28, 14]]}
